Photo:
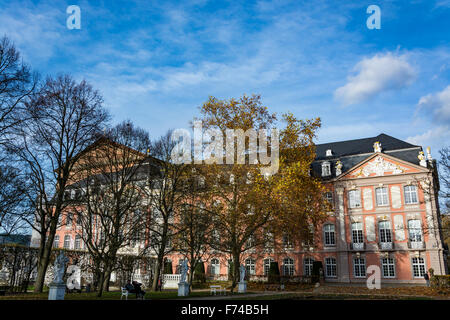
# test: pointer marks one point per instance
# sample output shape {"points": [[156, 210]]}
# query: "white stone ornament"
{"points": [[377, 146], [338, 168], [421, 158], [379, 166]]}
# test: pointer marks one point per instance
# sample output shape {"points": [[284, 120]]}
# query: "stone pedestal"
{"points": [[242, 287], [57, 291], [183, 289]]}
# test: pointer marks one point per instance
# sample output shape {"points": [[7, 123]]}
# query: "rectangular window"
{"points": [[329, 235], [410, 193], [354, 199], [67, 242], [382, 196], [359, 267], [250, 266], [385, 231], [56, 242], [330, 267], [414, 230], [418, 265], [288, 267], [308, 265], [357, 232], [388, 267], [329, 197], [267, 263]]}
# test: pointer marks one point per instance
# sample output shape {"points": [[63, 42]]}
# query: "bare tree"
{"points": [[17, 82], [194, 225], [165, 200], [444, 168], [111, 212], [64, 118]]}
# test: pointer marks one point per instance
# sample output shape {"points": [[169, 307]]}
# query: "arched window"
{"points": [[67, 241], [329, 235], [77, 241], [250, 266], [267, 263], [288, 267], [326, 170], [308, 266], [56, 242], [215, 266]]}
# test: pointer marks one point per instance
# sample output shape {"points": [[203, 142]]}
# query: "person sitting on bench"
{"points": [[130, 287], [138, 290]]}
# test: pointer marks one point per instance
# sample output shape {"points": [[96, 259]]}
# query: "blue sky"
{"points": [[156, 62]]}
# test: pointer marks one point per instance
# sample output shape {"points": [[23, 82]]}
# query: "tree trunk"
{"points": [[235, 273], [100, 284], [43, 262], [158, 269], [107, 279]]}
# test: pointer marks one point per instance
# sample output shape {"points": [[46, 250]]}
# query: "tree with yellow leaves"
{"points": [[244, 200]]}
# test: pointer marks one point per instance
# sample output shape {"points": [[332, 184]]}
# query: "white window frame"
{"points": [[308, 266], [388, 267], [415, 231], [385, 231], [56, 242], [266, 265], [326, 169], [410, 196], [329, 235], [215, 267], [382, 196], [78, 243], [359, 267], [357, 232], [288, 266], [250, 266], [330, 267], [68, 238], [354, 199], [418, 263], [329, 196]]}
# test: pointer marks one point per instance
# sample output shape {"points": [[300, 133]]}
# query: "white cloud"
{"points": [[436, 138], [375, 75], [438, 103]]}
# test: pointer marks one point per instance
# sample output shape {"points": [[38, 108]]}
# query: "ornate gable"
{"points": [[380, 165]]}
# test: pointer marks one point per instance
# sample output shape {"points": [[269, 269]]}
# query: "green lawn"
{"points": [[106, 296]]}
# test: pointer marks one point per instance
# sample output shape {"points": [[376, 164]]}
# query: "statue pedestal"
{"points": [[57, 291], [242, 287], [183, 289]]}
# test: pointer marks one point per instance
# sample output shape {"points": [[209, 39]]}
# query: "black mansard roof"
{"points": [[352, 152]]}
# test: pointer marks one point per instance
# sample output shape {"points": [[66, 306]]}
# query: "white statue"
{"points": [[377, 146], [60, 264], [242, 273], [338, 167], [184, 270], [421, 158]]}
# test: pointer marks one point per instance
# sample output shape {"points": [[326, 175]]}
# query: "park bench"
{"points": [[125, 293], [217, 288]]}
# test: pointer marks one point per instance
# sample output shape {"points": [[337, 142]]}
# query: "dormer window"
{"points": [[326, 170], [329, 153]]}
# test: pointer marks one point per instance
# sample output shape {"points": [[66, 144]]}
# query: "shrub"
{"points": [[440, 281]]}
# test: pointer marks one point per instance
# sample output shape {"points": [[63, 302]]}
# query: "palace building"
{"points": [[384, 194]]}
